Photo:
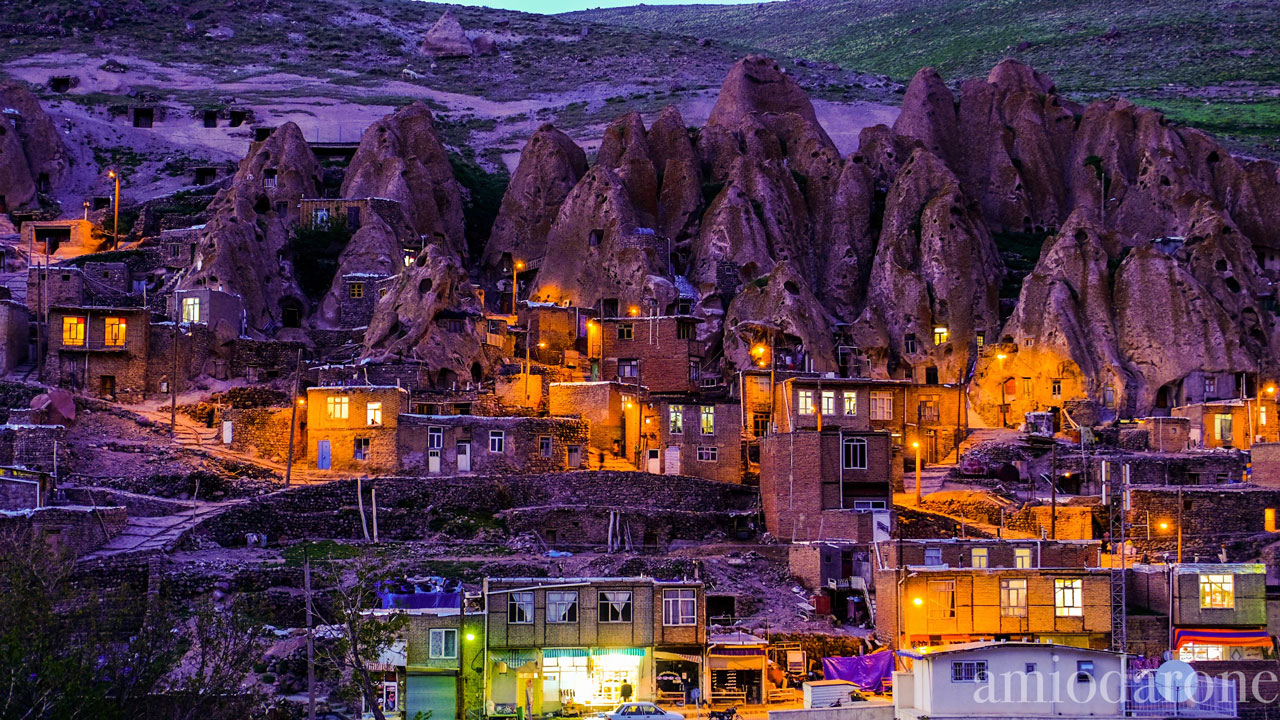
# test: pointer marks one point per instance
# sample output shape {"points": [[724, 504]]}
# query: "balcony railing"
{"points": [[97, 345]]}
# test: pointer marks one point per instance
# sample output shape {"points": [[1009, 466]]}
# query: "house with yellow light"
{"points": [[354, 427], [101, 351]]}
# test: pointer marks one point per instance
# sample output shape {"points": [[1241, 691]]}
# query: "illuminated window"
{"points": [[520, 608], [759, 424], [443, 643], [190, 309], [1262, 414], [981, 338], [1022, 558], [1013, 597], [1217, 592], [855, 454], [1222, 426], [805, 406], [850, 403], [942, 600], [73, 331], [355, 290], [115, 332], [339, 407], [978, 558], [939, 335], [881, 406], [708, 419], [373, 413], [1068, 600], [679, 607], [615, 606], [828, 402], [675, 419], [562, 606]]}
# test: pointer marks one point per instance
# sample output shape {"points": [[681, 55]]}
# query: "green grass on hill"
{"points": [[1210, 63]]}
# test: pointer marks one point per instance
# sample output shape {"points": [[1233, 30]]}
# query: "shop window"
{"points": [[115, 332], [562, 606], [360, 449], [1013, 597], [443, 643], [855, 454], [497, 441], [338, 406], [520, 608], [615, 606], [73, 331], [373, 413], [675, 419], [679, 607], [1068, 600], [1217, 592]]}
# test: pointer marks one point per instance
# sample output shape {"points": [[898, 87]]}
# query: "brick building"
{"points": [[102, 351], [64, 238], [835, 484], [661, 352], [15, 330], [1235, 423], [354, 427], [206, 306], [556, 330], [459, 444], [32, 447], [615, 411], [556, 641], [444, 659], [935, 592], [695, 436], [21, 488], [1211, 518], [74, 530]]}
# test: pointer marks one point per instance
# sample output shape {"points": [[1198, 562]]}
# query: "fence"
{"points": [[1203, 697]]}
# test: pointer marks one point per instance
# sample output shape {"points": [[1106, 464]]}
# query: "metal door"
{"points": [[673, 460], [464, 457], [655, 463], [433, 462], [322, 453]]}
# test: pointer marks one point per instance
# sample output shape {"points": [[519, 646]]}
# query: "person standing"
{"points": [[625, 691]]}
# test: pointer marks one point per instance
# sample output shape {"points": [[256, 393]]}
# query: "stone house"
{"points": [[101, 351], [1235, 423], [556, 642], [359, 296], [615, 411], [557, 333], [460, 444], [178, 246], [695, 436], [662, 352], [74, 529], [206, 306], [21, 488], [931, 592], [63, 238], [829, 485], [15, 333], [32, 447], [96, 283], [354, 427], [1211, 517]]}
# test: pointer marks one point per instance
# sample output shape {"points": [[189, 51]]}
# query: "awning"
{"points": [[687, 657], [722, 651], [563, 652], [513, 658], [616, 652], [1217, 636]]}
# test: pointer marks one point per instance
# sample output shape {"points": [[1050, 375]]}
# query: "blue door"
{"points": [[322, 451]]}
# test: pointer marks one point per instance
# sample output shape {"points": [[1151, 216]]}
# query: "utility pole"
{"points": [[173, 380], [916, 445], [311, 647], [1179, 524], [293, 420], [115, 226]]}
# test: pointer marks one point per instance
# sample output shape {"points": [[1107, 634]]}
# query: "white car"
{"points": [[640, 710]]}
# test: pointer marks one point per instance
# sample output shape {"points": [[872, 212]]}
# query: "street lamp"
{"points": [[1004, 421], [1164, 527], [916, 446], [115, 225], [516, 267]]}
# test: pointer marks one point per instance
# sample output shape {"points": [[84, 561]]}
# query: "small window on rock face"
{"points": [[594, 237]]}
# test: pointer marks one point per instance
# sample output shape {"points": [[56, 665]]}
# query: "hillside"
{"points": [[1208, 63]]}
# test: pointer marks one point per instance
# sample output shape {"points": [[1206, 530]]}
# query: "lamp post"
{"points": [[516, 267], [115, 224], [916, 445], [1004, 421]]}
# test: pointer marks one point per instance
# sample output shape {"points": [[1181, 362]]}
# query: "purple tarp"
{"points": [[872, 673]]}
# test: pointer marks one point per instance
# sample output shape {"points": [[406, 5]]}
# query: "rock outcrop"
{"points": [[447, 39], [401, 158], [33, 158], [244, 247]]}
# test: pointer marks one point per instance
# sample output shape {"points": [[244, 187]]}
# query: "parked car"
{"points": [[637, 710]]}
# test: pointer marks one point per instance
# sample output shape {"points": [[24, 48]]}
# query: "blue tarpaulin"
{"points": [[872, 673], [421, 600]]}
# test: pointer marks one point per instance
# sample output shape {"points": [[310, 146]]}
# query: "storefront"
{"points": [[1215, 644], [737, 664], [677, 676], [554, 679]]}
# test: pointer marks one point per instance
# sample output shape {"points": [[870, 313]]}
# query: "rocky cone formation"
{"points": [[33, 158], [446, 39], [900, 243], [244, 247]]}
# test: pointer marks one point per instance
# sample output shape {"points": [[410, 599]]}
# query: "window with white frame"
{"points": [[708, 453], [1068, 598], [708, 419], [628, 368], [679, 607], [442, 643], [497, 441], [805, 404], [828, 402], [373, 413], [854, 455], [615, 606], [190, 309], [435, 438], [1013, 597], [933, 556], [969, 671], [520, 608], [881, 406], [1022, 558], [870, 505], [1217, 592], [562, 606], [850, 403], [675, 419], [978, 558], [338, 406], [942, 600]]}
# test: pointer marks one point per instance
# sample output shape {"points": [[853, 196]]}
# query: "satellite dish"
{"points": [[1176, 681]]}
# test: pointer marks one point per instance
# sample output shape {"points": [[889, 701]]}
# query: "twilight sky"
{"points": [[550, 7]]}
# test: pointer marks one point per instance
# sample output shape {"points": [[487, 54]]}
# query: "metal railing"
{"points": [[1206, 697], [98, 345]]}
